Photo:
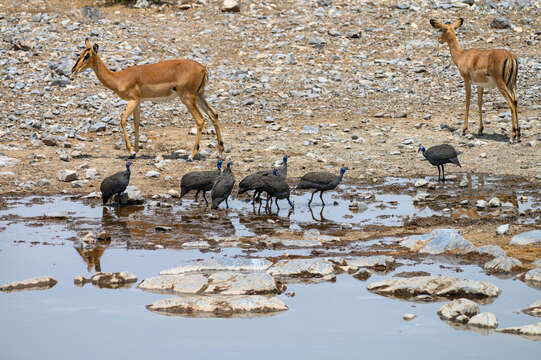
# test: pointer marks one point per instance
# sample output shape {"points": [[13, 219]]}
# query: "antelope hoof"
{"points": [[464, 131], [480, 132], [132, 156]]}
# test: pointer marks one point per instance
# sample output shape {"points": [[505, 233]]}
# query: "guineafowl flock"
{"points": [[271, 182]]}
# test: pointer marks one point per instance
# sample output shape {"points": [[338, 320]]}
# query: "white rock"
{"points": [[534, 309], [409, 317], [7, 161], [67, 175], [484, 320], [528, 330], [451, 311], [495, 202], [218, 305], [91, 173], [481, 204], [492, 250], [527, 238], [38, 283], [437, 242], [502, 229], [173, 193], [421, 183], [302, 267], [231, 6], [381, 262], [502, 264], [113, 280], [533, 275], [132, 196], [152, 174], [220, 264]]}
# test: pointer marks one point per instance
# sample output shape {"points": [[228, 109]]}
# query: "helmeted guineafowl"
{"points": [[200, 181], [222, 187], [249, 181], [275, 187], [320, 181], [439, 155], [115, 184]]}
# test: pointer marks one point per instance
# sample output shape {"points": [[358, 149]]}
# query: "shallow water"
{"points": [[324, 320]]}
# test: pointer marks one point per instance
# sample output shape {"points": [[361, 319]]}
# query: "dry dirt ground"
{"points": [[427, 91]]}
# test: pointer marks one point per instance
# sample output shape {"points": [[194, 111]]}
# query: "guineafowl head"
{"points": [[274, 171], [343, 170], [229, 164], [421, 149], [219, 164], [286, 156], [128, 164]]}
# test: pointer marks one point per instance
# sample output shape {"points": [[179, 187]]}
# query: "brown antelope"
{"points": [[160, 81], [486, 69]]}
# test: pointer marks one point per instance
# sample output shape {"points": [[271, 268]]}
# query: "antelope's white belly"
{"points": [[490, 83], [164, 98]]}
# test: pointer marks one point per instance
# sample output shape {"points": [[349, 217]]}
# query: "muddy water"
{"points": [[324, 320]]}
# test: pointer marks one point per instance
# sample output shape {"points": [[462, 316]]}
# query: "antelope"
{"points": [[486, 69], [156, 82]]}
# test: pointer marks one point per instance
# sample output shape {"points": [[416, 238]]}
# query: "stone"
{"points": [[174, 193], [67, 175], [502, 264], [465, 307], [440, 286], [38, 283], [500, 23], [494, 202], [231, 6], [379, 262], [481, 204], [91, 174], [421, 183], [296, 243], [485, 320], [50, 140], [492, 250], [533, 275], [409, 317], [534, 309], [502, 229], [527, 330], [132, 196], [7, 161], [437, 242], [218, 306], [220, 264], [527, 238], [302, 268], [152, 174], [113, 280]]}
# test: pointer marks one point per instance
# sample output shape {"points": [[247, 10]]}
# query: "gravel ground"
{"points": [[329, 82]]}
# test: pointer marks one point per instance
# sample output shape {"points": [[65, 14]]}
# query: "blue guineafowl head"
{"points": [[274, 172], [421, 148], [343, 170], [286, 156], [128, 164], [219, 164], [229, 164]]}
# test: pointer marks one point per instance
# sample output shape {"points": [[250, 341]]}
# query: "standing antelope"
{"points": [[486, 69], [159, 81]]}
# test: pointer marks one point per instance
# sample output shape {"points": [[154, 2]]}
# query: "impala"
{"points": [[160, 81], [486, 69]]}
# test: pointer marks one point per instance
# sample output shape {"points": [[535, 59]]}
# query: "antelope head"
{"points": [[86, 58], [447, 30]]}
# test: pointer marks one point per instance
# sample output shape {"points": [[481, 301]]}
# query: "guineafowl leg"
{"points": [[196, 195], [277, 204], [438, 173], [226, 202], [118, 199], [321, 197], [443, 171], [309, 202], [205, 197]]}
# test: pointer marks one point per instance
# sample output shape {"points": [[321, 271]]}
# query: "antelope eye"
{"points": [[87, 56]]}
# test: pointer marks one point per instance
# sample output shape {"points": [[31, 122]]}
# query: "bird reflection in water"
{"points": [[321, 217]]}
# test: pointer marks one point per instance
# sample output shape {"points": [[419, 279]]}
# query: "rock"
{"points": [[152, 174], [379, 262], [113, 280], [440, 286], [302, 268], [189, 283], [297, 243], [502, 229], [50, 140], [142, 4], [484, 320], [362, 274], [463, 183], [502, 264], [437, 242], [492, 250], [174, 193], [421, 183], [527, 330], [421, 196], [465, 307], [231, 6], [533, 275], [500, 23], [409, 317], [220, 306], [534, 309], [98, 127], [527, 238], [220, 264], [481, 204], [67, 175], [132, 196], [38, 283], [91, 174], [7, 161], [494, 202]]}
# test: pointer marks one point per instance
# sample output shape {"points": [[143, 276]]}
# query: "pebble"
{"points": [[502, 229]]}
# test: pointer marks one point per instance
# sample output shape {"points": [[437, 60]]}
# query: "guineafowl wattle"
{"points": [[222, 187], [439, 155], [275, 187], [200, 181], [115, 184], [249, 181], [320, 181]]}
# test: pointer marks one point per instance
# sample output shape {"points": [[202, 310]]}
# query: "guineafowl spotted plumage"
{"points": [[250, 181], [439, 155], [115, 184], [200, 181], [222, 187], [320, 181], [275, 187]]}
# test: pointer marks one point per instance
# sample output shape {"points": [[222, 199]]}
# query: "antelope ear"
{"points": [[96, 47], [87, 43], [436, 24], [458, 23]]}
